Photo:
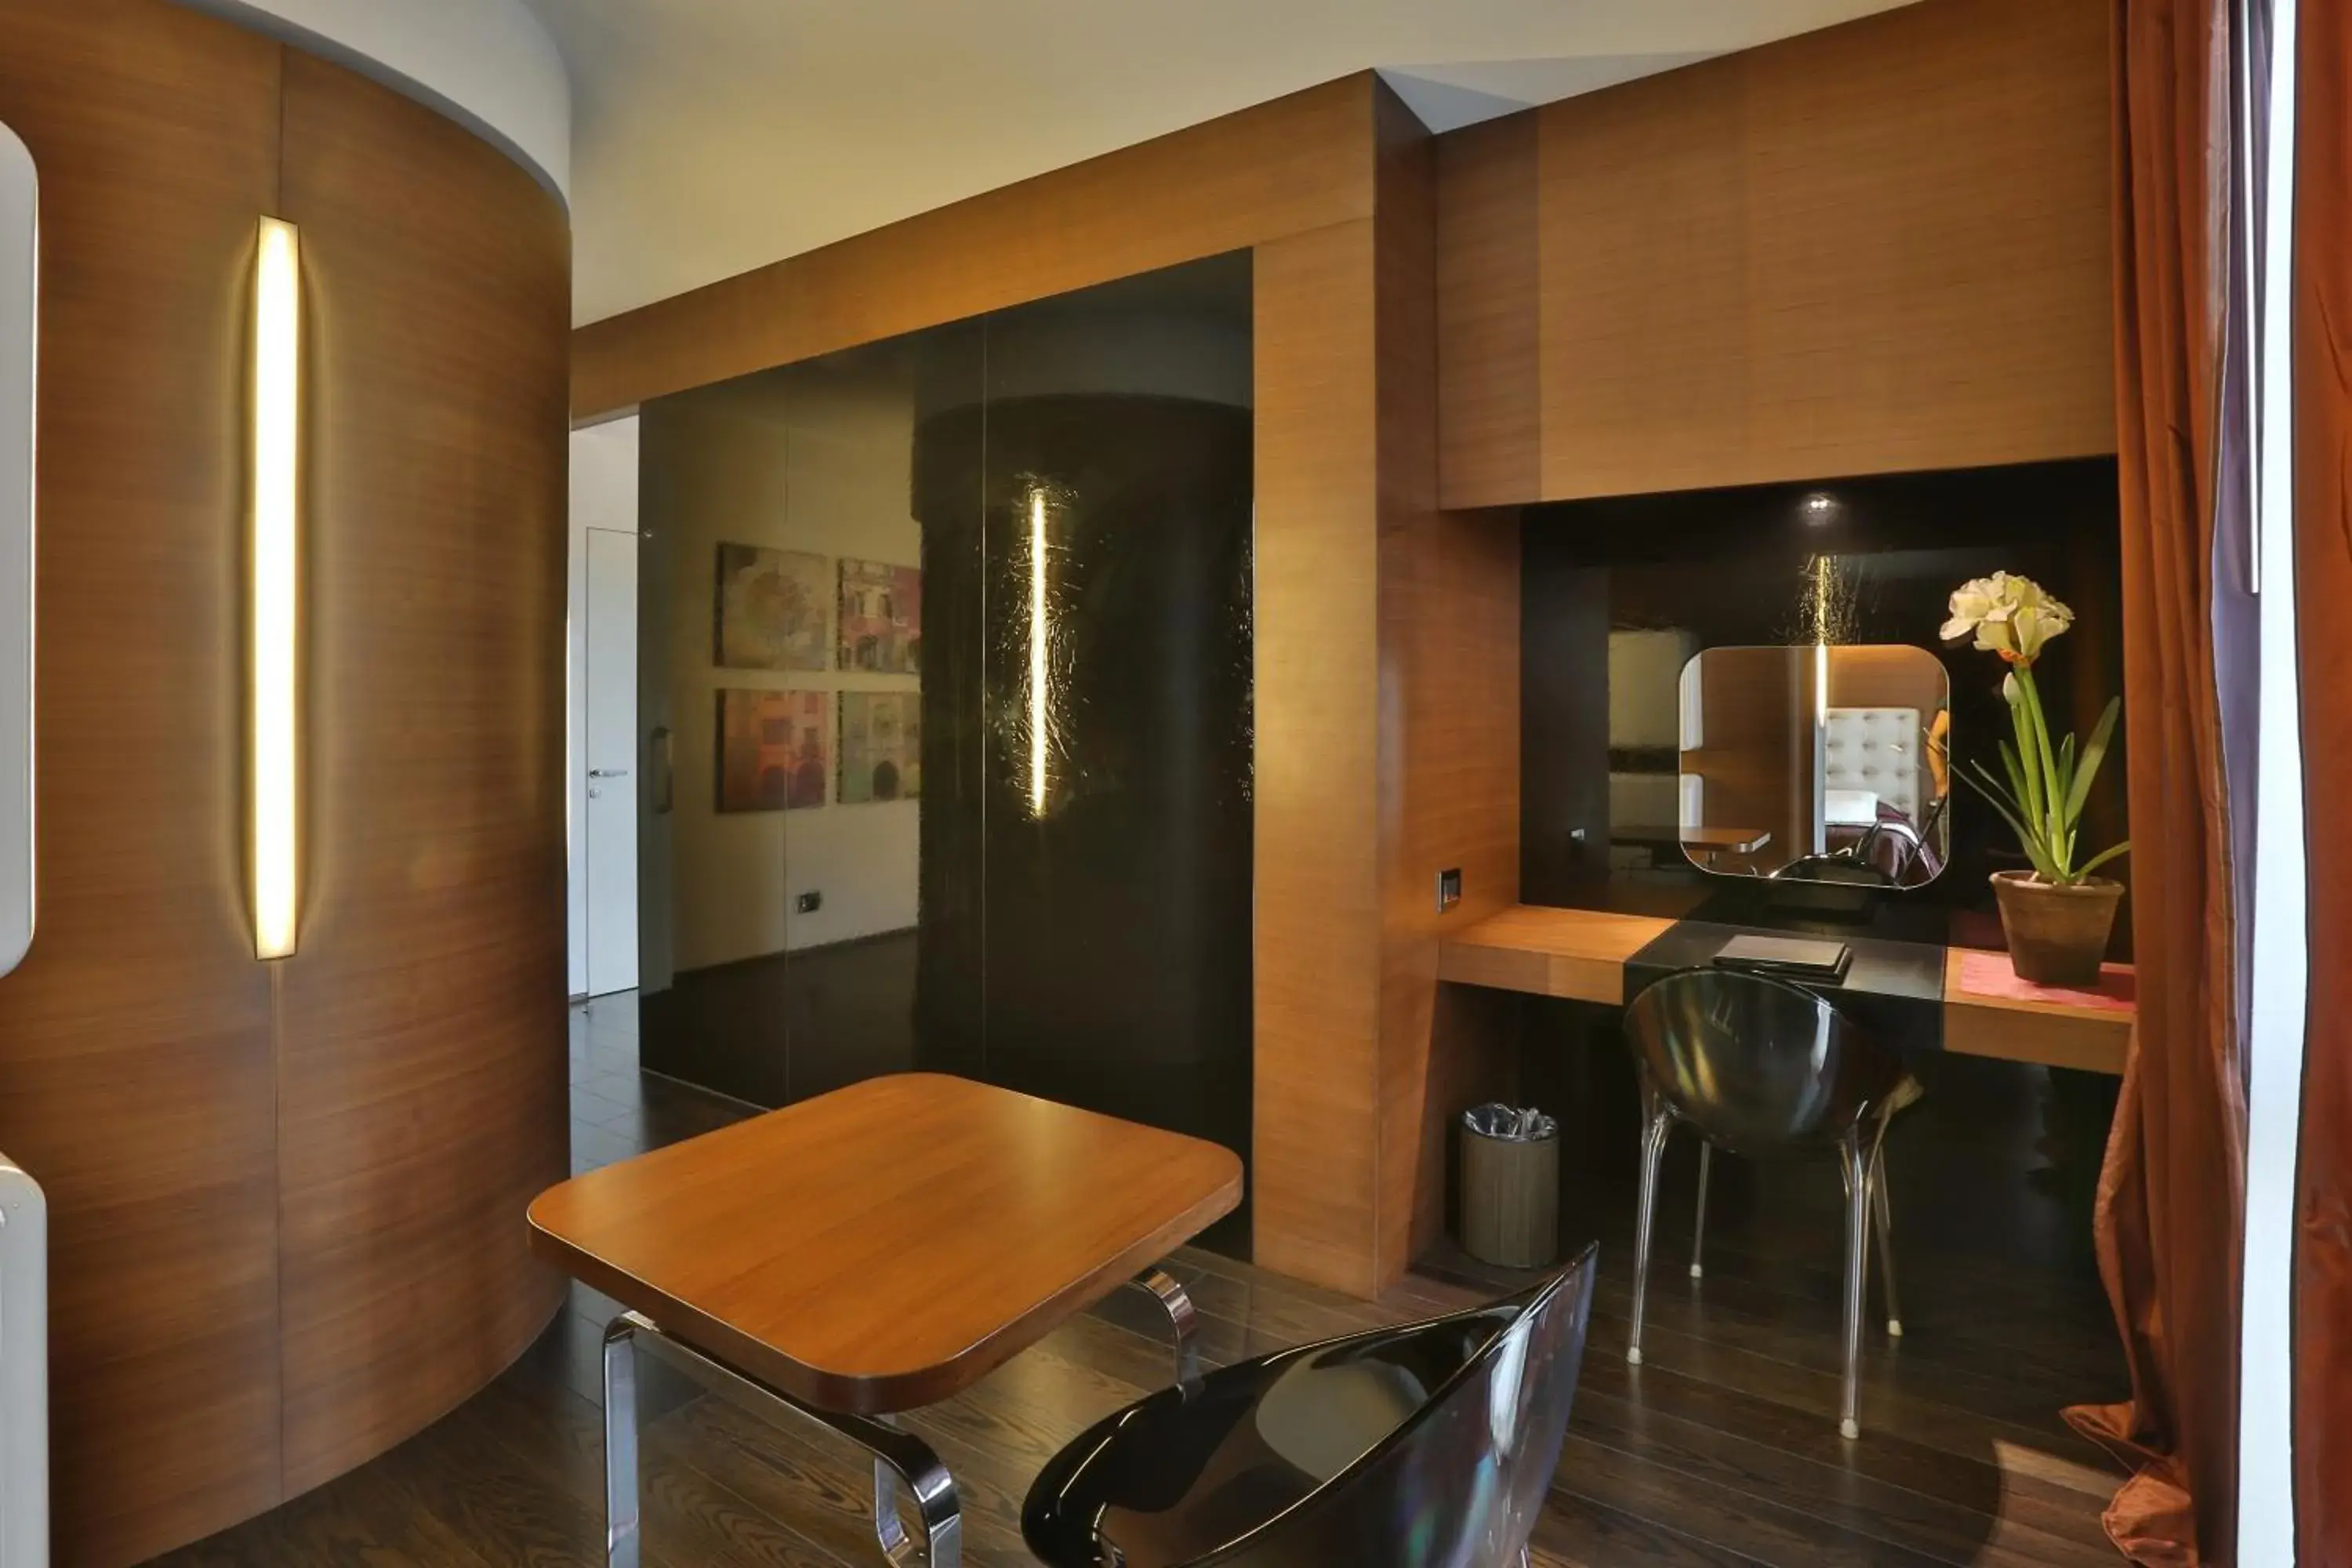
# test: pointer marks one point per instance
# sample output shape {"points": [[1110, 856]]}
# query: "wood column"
{"points": [[286, 1201]]}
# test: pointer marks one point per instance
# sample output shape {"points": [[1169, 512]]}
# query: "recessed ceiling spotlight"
{"points": [[1819, 506]]}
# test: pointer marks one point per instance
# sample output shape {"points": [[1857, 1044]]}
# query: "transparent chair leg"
{"points": [[1181, 1317], [1698, 1221], [1653, 1148], [1882, 1212], [1855, 1167], [621, 1526]]}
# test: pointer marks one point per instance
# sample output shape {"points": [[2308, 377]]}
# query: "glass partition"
{"points": [[948, 641]]}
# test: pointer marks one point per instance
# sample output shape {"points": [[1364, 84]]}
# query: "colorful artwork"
{"points": [[881, 617], [772, 609], [881, 746], [772, 749]]}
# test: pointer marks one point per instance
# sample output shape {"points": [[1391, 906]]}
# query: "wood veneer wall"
{"points": [[286, 1201], [1880, 247], [1386, 647]]}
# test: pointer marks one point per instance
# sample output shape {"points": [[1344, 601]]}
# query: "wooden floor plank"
{"points": [[1720, 1452]]}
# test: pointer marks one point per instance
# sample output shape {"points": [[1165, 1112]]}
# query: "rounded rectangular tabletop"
{"points": [[885, 1245]]}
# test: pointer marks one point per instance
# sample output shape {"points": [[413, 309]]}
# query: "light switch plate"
{"points": [[1449, 889]]}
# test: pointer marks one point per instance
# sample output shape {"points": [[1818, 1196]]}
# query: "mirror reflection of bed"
{"points": [[1815, 764]]}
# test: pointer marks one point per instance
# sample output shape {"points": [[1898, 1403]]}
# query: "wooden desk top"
{"points": [[1580, 955], [885, 1245]]}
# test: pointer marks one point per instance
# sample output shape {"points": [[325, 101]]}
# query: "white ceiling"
{"points": [[712, 136]]}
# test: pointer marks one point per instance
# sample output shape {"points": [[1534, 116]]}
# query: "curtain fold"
{"points": [[2170, 1208], [2322, 352]]}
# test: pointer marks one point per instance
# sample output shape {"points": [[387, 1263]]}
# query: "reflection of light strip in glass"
{"points": [[1037, 653], [277, 388]]}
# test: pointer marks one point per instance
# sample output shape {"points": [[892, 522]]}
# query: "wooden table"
{"points": [[874, 1249], [1580, 954]]}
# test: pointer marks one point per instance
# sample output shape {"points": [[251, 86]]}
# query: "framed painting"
{"points": [[773, 747], [772, 609], [881, 746], [881, 617]]}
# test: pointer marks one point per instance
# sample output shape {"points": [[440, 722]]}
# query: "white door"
{"points": [[609, 706]]}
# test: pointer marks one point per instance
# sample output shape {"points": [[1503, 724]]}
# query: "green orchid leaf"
{"points": [[1984, 783], [2093, 755], [2102, 858], [2042, 864]]}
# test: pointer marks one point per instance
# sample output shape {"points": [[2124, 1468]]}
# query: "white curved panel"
{"points": [[19, 322], [487, 64]]}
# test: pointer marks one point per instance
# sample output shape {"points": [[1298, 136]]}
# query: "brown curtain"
{"points": [[2322, 404], [2170, 1197]]}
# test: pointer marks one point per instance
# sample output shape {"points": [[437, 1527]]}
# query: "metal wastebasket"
{"points": [[1510, 1186]]}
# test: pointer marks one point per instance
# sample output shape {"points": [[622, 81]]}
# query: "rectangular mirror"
{"points": [[1816, 763]]}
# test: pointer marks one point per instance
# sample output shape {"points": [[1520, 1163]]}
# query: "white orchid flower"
{"points": [[2013, 616]]}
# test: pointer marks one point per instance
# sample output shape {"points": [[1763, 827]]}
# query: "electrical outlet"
{"points": [[808, 903], [1449, 889]]}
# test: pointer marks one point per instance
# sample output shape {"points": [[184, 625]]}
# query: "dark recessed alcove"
{"points": [[1736, 566]]}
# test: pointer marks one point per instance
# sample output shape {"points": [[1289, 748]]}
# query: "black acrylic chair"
{"points": [[1408, 1447], [1762, 1067]]}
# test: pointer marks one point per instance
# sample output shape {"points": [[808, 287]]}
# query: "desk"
{"points": [[874, 1249], [1582, 954]]}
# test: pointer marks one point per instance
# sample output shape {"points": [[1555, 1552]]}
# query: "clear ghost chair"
{"points": [[1762, 1067], [1431, 1446]]}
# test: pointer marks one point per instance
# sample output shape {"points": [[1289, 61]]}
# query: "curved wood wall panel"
{"points": [[135, 1075], [422, 1070], [356, 1151]]}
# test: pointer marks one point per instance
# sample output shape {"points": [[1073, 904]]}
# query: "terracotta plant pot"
{"points": [[2057, 936]]}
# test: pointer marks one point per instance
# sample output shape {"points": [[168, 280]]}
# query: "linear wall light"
{"points": [[275, 549], [19, 350]]}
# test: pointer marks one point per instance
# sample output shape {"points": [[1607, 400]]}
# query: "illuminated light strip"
{"points": [[1037, 653], [19, 350], [275, 546]]}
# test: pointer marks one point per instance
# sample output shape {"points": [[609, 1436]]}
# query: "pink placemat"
{"points": [[1991, 974]]}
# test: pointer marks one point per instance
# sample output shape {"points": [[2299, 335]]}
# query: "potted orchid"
{"points": [[2058, 916]]}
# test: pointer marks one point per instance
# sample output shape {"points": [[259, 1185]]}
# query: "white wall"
{"points": [[828, 474], [604, 495]]}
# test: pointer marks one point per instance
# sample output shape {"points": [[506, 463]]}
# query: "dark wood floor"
{"points": [[1721, 1449]]}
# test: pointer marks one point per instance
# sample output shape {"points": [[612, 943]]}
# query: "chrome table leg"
{"points": [[621, 1445], [900, 1458], [1163, 1289]]}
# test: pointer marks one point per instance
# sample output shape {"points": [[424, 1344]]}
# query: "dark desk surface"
{"points": [[1584, 955]]}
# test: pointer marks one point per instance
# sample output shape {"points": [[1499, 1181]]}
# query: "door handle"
{"points": [[608, 773]]}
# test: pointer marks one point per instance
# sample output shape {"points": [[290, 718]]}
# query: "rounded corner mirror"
{"points": [[1819, 763]]}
